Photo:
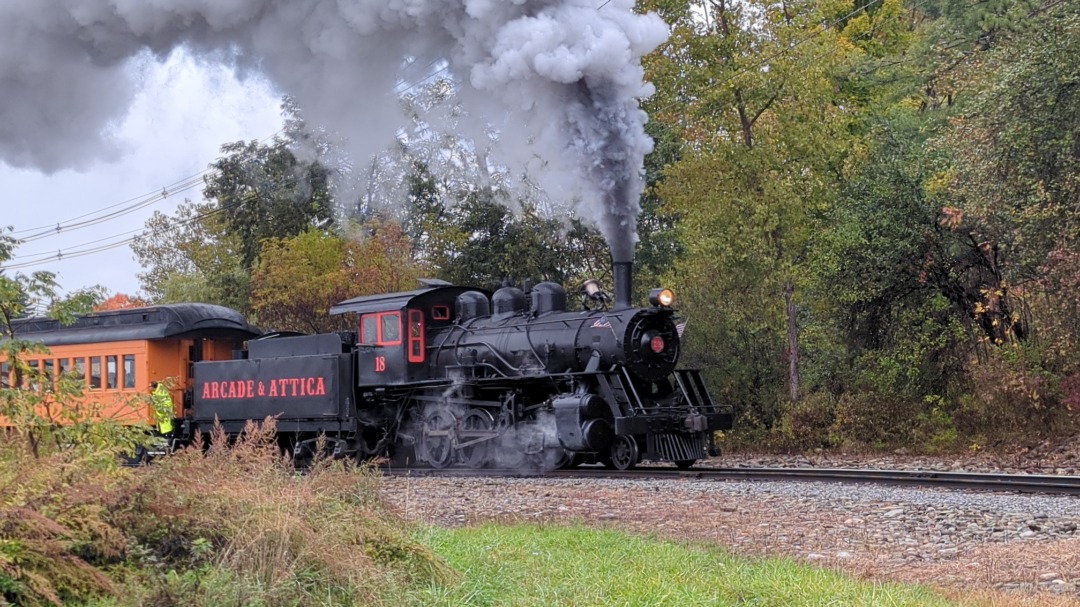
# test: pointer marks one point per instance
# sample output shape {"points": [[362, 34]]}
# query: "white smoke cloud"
{"points": [[557, 79]]}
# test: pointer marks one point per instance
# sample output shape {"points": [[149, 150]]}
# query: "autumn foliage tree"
{"points": [[120, 301], [298, 279]]}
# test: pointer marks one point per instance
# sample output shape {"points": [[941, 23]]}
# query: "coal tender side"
{"points": [[304, 382]]}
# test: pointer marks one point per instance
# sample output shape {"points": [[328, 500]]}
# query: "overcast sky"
{"points": [[182, 116]]}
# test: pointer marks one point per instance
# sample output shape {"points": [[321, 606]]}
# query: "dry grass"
{"points": [[227, 524], [245, 510]]}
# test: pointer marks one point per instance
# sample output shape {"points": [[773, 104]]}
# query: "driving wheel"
{"points": [[474, 437], [436, 442]]}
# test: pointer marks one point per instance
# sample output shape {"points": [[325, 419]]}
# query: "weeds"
{"points": [[228, 523]]}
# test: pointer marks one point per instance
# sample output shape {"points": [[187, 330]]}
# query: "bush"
{"points": [[934, 430], [806, 424], [1011, 397], [873, 420], [53, 529]]}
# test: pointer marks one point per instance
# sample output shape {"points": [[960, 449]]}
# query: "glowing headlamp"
{"points": [[661, 298]]}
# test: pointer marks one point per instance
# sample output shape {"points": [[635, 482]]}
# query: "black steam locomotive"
{"points": [[448, 375]]}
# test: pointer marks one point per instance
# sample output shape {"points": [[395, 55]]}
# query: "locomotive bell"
{"points": [[591, 288], [591, 293]]}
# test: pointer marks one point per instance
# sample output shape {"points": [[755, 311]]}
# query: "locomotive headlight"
{"points": [[661, 297]]}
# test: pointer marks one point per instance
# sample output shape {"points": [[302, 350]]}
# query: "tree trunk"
{"points": [[793, 341]]}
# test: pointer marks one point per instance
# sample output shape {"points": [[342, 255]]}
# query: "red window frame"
{"points": [[379, 319], [416, 338], [440, 312]]}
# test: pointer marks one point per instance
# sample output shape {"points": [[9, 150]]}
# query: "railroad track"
{"points": [[1023, 483]]}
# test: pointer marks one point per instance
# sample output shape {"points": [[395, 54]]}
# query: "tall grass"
{"points": [[231, 524]]}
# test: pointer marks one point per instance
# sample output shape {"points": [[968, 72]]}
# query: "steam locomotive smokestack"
{"points": [[624, 271]]}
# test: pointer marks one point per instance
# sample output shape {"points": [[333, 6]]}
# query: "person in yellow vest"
{"points": [[163, 407]]}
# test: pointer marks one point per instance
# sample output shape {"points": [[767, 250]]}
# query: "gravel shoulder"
{"points": [[1007, 549]]}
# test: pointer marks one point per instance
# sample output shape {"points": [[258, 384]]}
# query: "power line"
{"points": [[133, 204], [61, 255], [136, 199], [51, 253], [178, 188]]}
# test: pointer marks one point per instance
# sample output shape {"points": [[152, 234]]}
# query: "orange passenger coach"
{"points": [[118, 354]]}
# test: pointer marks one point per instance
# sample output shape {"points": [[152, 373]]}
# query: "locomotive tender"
{"points": [[449, 375]]}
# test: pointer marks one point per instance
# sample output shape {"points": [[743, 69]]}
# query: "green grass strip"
{"points": [[527, 566]]}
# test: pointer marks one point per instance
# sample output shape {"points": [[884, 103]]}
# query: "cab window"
{"points": [[440, 313], [389, 329], [369, 329], [381, 329], [416, 336]]}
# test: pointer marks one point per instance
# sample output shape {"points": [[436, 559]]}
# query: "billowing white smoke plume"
{"points": [[558, 79]]}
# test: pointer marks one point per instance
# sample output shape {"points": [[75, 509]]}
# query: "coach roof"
{"points": [[155, 322]]}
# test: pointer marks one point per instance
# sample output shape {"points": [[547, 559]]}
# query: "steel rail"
{"points": [[983, 481], [1034, 483]]}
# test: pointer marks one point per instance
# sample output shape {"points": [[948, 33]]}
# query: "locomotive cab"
{"points": [[381, 343], [393, 331]]}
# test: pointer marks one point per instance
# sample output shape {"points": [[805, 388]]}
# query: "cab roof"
{"points": [[386, 302]]}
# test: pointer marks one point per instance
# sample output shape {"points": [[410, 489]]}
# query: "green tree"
{"points": [[34, 402], [206, 251], [752, 90], [265, 191], [191, 256], [1016, 146]]}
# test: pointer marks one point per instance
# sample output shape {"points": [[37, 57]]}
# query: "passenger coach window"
{"points": [[129, 370], [4, 371], [110, 372], [80, 370], [35, 372], [95, 373], [49, 377]]}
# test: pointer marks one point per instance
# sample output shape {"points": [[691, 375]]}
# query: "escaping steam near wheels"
{"points": [[558, 81]]}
